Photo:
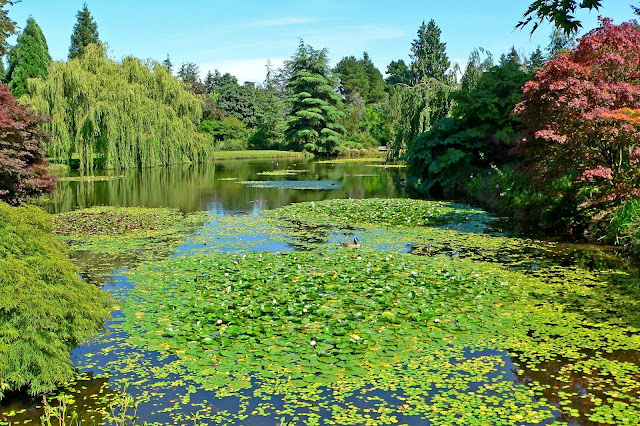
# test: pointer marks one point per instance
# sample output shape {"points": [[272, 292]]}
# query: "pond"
{"points": [[253, 313], [219, 188]]}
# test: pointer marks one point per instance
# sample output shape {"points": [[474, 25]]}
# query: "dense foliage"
{"points": [[227, 134], [314, 122], [582, 117], [480, 132], [85, 33], [359, 78], [134, 115], [29, 58], [23, 166], [271, 115], [239, 101], [45, 309]]}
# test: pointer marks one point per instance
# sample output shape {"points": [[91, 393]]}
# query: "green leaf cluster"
{"points": [[132, 114], [45, 309], [314, 123], [28, 59]]}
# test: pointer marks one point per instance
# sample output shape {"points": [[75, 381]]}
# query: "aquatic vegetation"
{"points": [[287, 172], [388, 166], [102, 238], [312, 328], [45, 310], [383, 212], [294, 184], [89, 178], [481, 328], [353, 160]]}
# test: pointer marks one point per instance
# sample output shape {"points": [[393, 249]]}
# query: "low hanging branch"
{"points": [[132, 114]]}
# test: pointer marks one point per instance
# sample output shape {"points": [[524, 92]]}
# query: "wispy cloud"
{"points": [[281, 22]]}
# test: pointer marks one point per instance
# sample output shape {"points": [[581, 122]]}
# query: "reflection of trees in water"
{"points": [[91, 399], [584, 385], [193, 188]]}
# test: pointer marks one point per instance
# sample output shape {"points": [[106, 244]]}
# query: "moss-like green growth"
{"points": [[45, 310], [102, 238], [390, 212]]}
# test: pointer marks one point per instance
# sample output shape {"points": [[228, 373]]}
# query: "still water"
{"points": [[231, 188], [218, 187]]}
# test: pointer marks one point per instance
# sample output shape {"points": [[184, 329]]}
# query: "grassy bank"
{"points": [[244, 155]]}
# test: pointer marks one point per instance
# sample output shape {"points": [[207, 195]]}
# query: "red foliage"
{"points": [[582, 115], [23, 166]]}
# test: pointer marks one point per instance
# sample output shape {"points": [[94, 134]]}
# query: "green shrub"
{"points": [[624, 228], [45, 309]]}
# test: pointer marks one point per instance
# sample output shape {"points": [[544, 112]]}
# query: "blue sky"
{"points": [[239, 36]]}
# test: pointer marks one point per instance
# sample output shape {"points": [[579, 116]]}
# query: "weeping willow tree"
{"points": [[413, 110], [131, 114]]}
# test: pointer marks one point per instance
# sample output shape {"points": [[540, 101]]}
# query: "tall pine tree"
{"points": [[28, 59], [85, 32], [375, 89], [429, 55], [314, 121]]}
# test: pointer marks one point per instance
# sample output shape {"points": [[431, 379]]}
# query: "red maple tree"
{"points": [[582, 118], [23, 165]]}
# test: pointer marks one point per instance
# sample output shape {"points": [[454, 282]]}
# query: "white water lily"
{"points": [[312, 343]]}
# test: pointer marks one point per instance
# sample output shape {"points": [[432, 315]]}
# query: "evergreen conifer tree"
{"points": [[168, 64], [2, 70], [375, 89], [353, 78], [29, 58], [85, 32], [314, 120], [536, 60], [429, 55]]}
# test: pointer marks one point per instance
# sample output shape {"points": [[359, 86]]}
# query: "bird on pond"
{"points": [[354, 244]]}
